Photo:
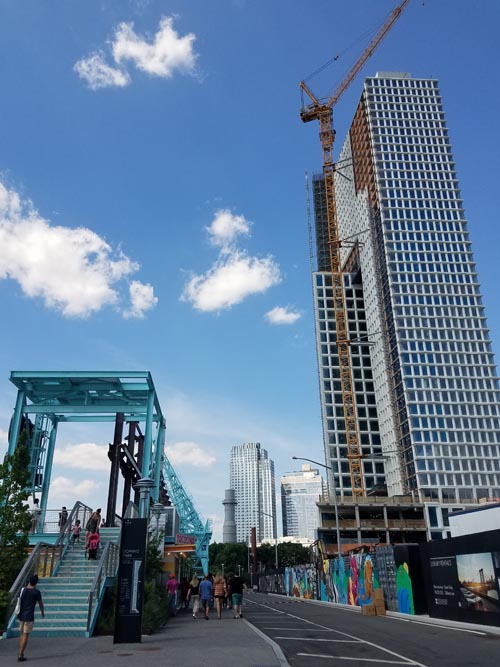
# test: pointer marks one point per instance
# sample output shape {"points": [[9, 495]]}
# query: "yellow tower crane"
{"points": [[322, 111]]}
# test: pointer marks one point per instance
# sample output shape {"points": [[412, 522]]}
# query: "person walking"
{"points": [[236, 585], [172, 586], [194, 595], [219, 594], [206, 592], [29, 597], [63, 517], [93, 545], [76, 530], [92, 525]]}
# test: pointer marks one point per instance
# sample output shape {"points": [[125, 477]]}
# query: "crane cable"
{"points": [[364, 37]]}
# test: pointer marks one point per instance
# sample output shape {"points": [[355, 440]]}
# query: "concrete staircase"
{"points": [[65, 595]]}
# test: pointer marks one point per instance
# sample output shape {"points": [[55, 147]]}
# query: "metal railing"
{"points": [[45, 558], [106, 567], [41, 561]]}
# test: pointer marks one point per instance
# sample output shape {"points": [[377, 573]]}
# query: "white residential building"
{"points": [[425, 379], [252, 478]]}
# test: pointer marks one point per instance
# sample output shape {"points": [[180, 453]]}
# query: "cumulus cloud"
{"points": [[166, 53], [163, 55], [83, 456], [142, 299], [98, 74], [73, 270], [66, 491], [280, 315], [189, 453], [230, 280], [226, 227]]}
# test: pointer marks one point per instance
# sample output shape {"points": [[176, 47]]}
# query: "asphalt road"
{"points": [[311, 635]]}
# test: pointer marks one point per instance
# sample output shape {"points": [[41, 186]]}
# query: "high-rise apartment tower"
{"points": [[300, 491], [252, 478], [425, 380]]}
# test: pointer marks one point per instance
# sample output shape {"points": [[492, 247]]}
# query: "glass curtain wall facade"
{"points": [[300, 491], [427, 348], [251, 475]]}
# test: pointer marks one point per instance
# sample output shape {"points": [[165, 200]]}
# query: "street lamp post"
{"points": [[337, 527], [275, 542]]}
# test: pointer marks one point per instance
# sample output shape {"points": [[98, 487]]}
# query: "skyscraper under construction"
{"points": [[424, 377]]}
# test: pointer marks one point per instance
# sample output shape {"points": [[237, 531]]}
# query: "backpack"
{"points": [[94, 543]]}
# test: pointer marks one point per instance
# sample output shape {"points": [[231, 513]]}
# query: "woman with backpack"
{"points": [[93, 545], [92, 525]]}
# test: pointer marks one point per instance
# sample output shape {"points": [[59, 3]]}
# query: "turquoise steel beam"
{"points": [[75, 408], [48, 470], [148, 437], [190, 521], [16, 421], [160, 443]]}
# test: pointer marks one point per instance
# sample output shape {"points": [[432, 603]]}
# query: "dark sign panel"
{"points": [[463, 577], [128, 619]]}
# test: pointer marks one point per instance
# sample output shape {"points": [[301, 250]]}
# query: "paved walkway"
{"points": [[184, 642]]}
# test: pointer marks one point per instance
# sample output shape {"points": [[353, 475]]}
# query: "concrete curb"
{"points": [[280, 656], [419, 620]]}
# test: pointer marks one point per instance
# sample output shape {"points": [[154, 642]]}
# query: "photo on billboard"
{"points": [[478, 578]]}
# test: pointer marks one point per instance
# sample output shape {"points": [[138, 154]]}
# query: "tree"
{"points": [[229, 555], [15, 517], [289, 554]]}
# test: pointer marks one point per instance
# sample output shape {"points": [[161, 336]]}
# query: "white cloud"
{"points": [[166, 53], [74, 271], [142, 299], [163, 55], [226, 227], [98, 74], [83, 456], [3, 437], [280, 315], [231, 279], [189, 453], [66, 491]]}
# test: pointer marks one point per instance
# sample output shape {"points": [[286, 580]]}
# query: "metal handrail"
{"points": [[80, 512], [41, 561], [106, 567]]}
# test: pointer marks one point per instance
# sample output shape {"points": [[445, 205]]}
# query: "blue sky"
{"points": [[152, 204]]}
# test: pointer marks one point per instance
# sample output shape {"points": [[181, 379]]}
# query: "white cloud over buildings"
{"points": [[163, 55], [73, 270], [83, 456], [189, 453], [282, 315], [235, 275]]}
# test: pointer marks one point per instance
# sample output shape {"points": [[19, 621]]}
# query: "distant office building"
{"points": [[424, 376], [252, 478], [300, 491]]}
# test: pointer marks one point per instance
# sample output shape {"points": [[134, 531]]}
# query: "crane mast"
{"points": [[323, 112]]}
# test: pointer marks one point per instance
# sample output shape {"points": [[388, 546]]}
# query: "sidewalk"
{"points": [[183, 642]]}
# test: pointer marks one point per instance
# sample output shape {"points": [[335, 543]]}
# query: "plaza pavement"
{"points": [[183, 642]]}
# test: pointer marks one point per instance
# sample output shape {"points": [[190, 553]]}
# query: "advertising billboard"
{"points": [[462, 577]]}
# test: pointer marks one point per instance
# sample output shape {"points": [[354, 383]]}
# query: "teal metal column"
{"points": [[148, 437], [160, 441], [48, 470], [16, 421]]}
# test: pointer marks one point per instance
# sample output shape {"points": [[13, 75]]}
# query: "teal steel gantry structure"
{"points": [[52, 397], [189, 519]]}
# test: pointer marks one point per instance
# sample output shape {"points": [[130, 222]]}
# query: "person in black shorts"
{"points": [[26, 617]]}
